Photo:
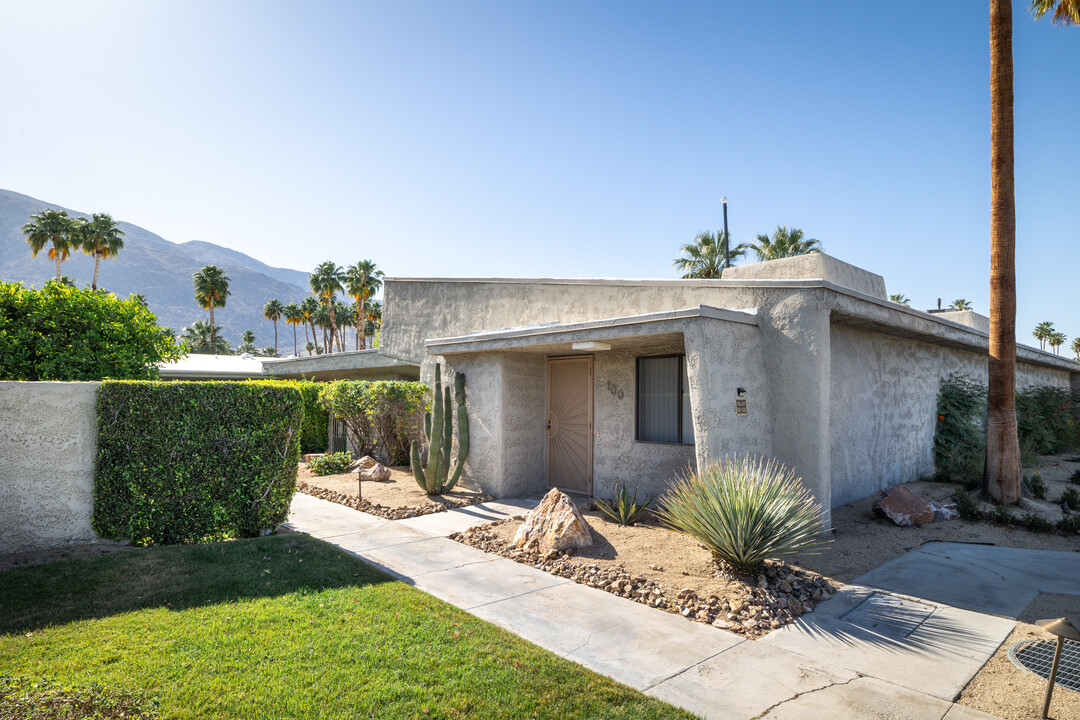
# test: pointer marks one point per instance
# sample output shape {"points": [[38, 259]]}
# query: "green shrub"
{"points": [[67, 333], [194, 461], [1075, 477], [1036, 486], [27, 699], [381, 417], [1047, 418], [624, 508], [1070, 524], [967, 506], [745, 511], [315, 423], [332, 464], [1001, 515], [1037, 523], [1071, 498], [960, 435]]}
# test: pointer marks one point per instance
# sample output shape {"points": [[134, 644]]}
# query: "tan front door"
{"points": [[569, 424]]}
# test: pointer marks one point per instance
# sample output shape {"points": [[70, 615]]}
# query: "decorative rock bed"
{"points": [[782, 592], [390, 513]]}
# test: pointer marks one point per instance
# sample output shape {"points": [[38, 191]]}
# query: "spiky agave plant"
{"points": [[745, 511], [624, 509]]}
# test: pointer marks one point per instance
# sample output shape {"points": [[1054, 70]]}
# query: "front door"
{"points": [[570, 424]]}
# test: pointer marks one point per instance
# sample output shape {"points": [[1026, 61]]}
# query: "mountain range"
{"points": [[161, 271]]}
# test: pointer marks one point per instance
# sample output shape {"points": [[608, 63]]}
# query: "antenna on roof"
{"points": [[939, 303]]}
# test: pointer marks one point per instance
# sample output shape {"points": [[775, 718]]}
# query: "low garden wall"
{"points": [[48, 445]]}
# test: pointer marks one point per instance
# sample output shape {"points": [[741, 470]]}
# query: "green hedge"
{"points": [[194, 461], [68, 333], [314, 427]]}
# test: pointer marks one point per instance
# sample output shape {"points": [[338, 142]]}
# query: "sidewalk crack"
{"points": [[796, 696]]}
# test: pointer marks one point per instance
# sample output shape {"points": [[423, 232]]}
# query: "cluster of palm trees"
{"points": [[97, 236], [707, 256], [324, 310], [1046, 334]]}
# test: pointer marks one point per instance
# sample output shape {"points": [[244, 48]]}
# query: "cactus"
{"points": [[435, 479]]}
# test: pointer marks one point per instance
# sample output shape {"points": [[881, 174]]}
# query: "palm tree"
{"points": [[309, 306], [248, 337], [211, 290], [960, 304], [1001, 480], [707, 256], [294, 317], [272, 311], [51, 226], [900, 300], [346, 318], [363, 280], [101, 238], [1056, 340], [784, 243], [202, 339], [325, 283], [373, 318], [1076, 347], [322, 319], [1042, 333]]}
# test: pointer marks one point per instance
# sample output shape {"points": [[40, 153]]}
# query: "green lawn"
{"points": [[283, 627]]}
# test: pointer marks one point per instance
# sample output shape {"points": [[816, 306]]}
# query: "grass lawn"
{"points": [[283, 627]]}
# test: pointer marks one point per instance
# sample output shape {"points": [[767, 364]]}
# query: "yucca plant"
{"points": [[624, 508], [745, 511]]}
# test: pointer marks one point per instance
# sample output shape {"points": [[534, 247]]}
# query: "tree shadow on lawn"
{"points": [[176, 577]]}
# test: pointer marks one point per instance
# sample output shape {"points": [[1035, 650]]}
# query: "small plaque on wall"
{"points": [[740, 406]]}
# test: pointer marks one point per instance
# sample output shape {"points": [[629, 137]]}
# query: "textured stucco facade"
{"points": [[838, 382], [47, 453]]}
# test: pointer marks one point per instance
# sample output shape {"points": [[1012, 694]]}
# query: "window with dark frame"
{"points": [[663, 400]]}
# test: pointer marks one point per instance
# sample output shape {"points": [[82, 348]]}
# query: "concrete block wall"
{"points": [[47, 451]]}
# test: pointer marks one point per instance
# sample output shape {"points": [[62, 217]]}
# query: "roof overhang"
{"points": [[355, 365], [559, 338]]}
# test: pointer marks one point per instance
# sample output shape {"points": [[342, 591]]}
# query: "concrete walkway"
{"points": [[898, 643]]}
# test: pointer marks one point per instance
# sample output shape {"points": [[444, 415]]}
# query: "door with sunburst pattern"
{"points": [[570, 424]]}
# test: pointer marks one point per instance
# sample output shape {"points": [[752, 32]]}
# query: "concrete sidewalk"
{"points": [[867, 653]]}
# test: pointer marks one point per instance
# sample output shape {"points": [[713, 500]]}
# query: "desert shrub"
{"points": [[1047, 418], [1036, 523], [27, 699], [332, 464], [1070, 524], [745, 511], [1036, 486], [1001, 515], [1071, 498], [1075, 477], [623, 508], [960, 435], [194, 461], [967, 506], [67, 333], [381, 417]]}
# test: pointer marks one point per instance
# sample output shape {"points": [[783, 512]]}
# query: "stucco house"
{"points": [[584, 384]]}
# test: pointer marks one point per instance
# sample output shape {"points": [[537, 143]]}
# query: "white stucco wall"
{"points": [[883, 406], [47, 452]]}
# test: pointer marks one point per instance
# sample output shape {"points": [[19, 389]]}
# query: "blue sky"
{"points": [[577, 139]]}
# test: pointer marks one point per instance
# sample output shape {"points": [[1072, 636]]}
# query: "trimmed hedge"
{"points": [[194, 461], [314, 426]]}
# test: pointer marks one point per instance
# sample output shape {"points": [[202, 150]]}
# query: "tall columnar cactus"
{"points": [[435, 479]]}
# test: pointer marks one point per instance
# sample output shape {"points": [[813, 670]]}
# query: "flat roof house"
{"points": [[583, 384]]}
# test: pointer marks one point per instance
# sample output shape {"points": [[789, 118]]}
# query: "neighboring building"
{"points": [[585, 384], [373, 364], [213, 367]]}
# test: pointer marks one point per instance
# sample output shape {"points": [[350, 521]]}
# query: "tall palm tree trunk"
{"points": [[294, 352], [97, 263], [56, 257], [1002, 479], [212, 348], [275, 338]]}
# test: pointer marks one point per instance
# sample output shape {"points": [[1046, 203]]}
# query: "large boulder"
{"points": [[903, 507], [554, 524], [365, 463], [377, 472]]}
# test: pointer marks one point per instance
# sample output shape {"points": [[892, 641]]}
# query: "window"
{"points": [[663, 400]]}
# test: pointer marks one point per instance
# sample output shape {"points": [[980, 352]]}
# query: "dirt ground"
{"points": [[400, 491], [1005, 690]]}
